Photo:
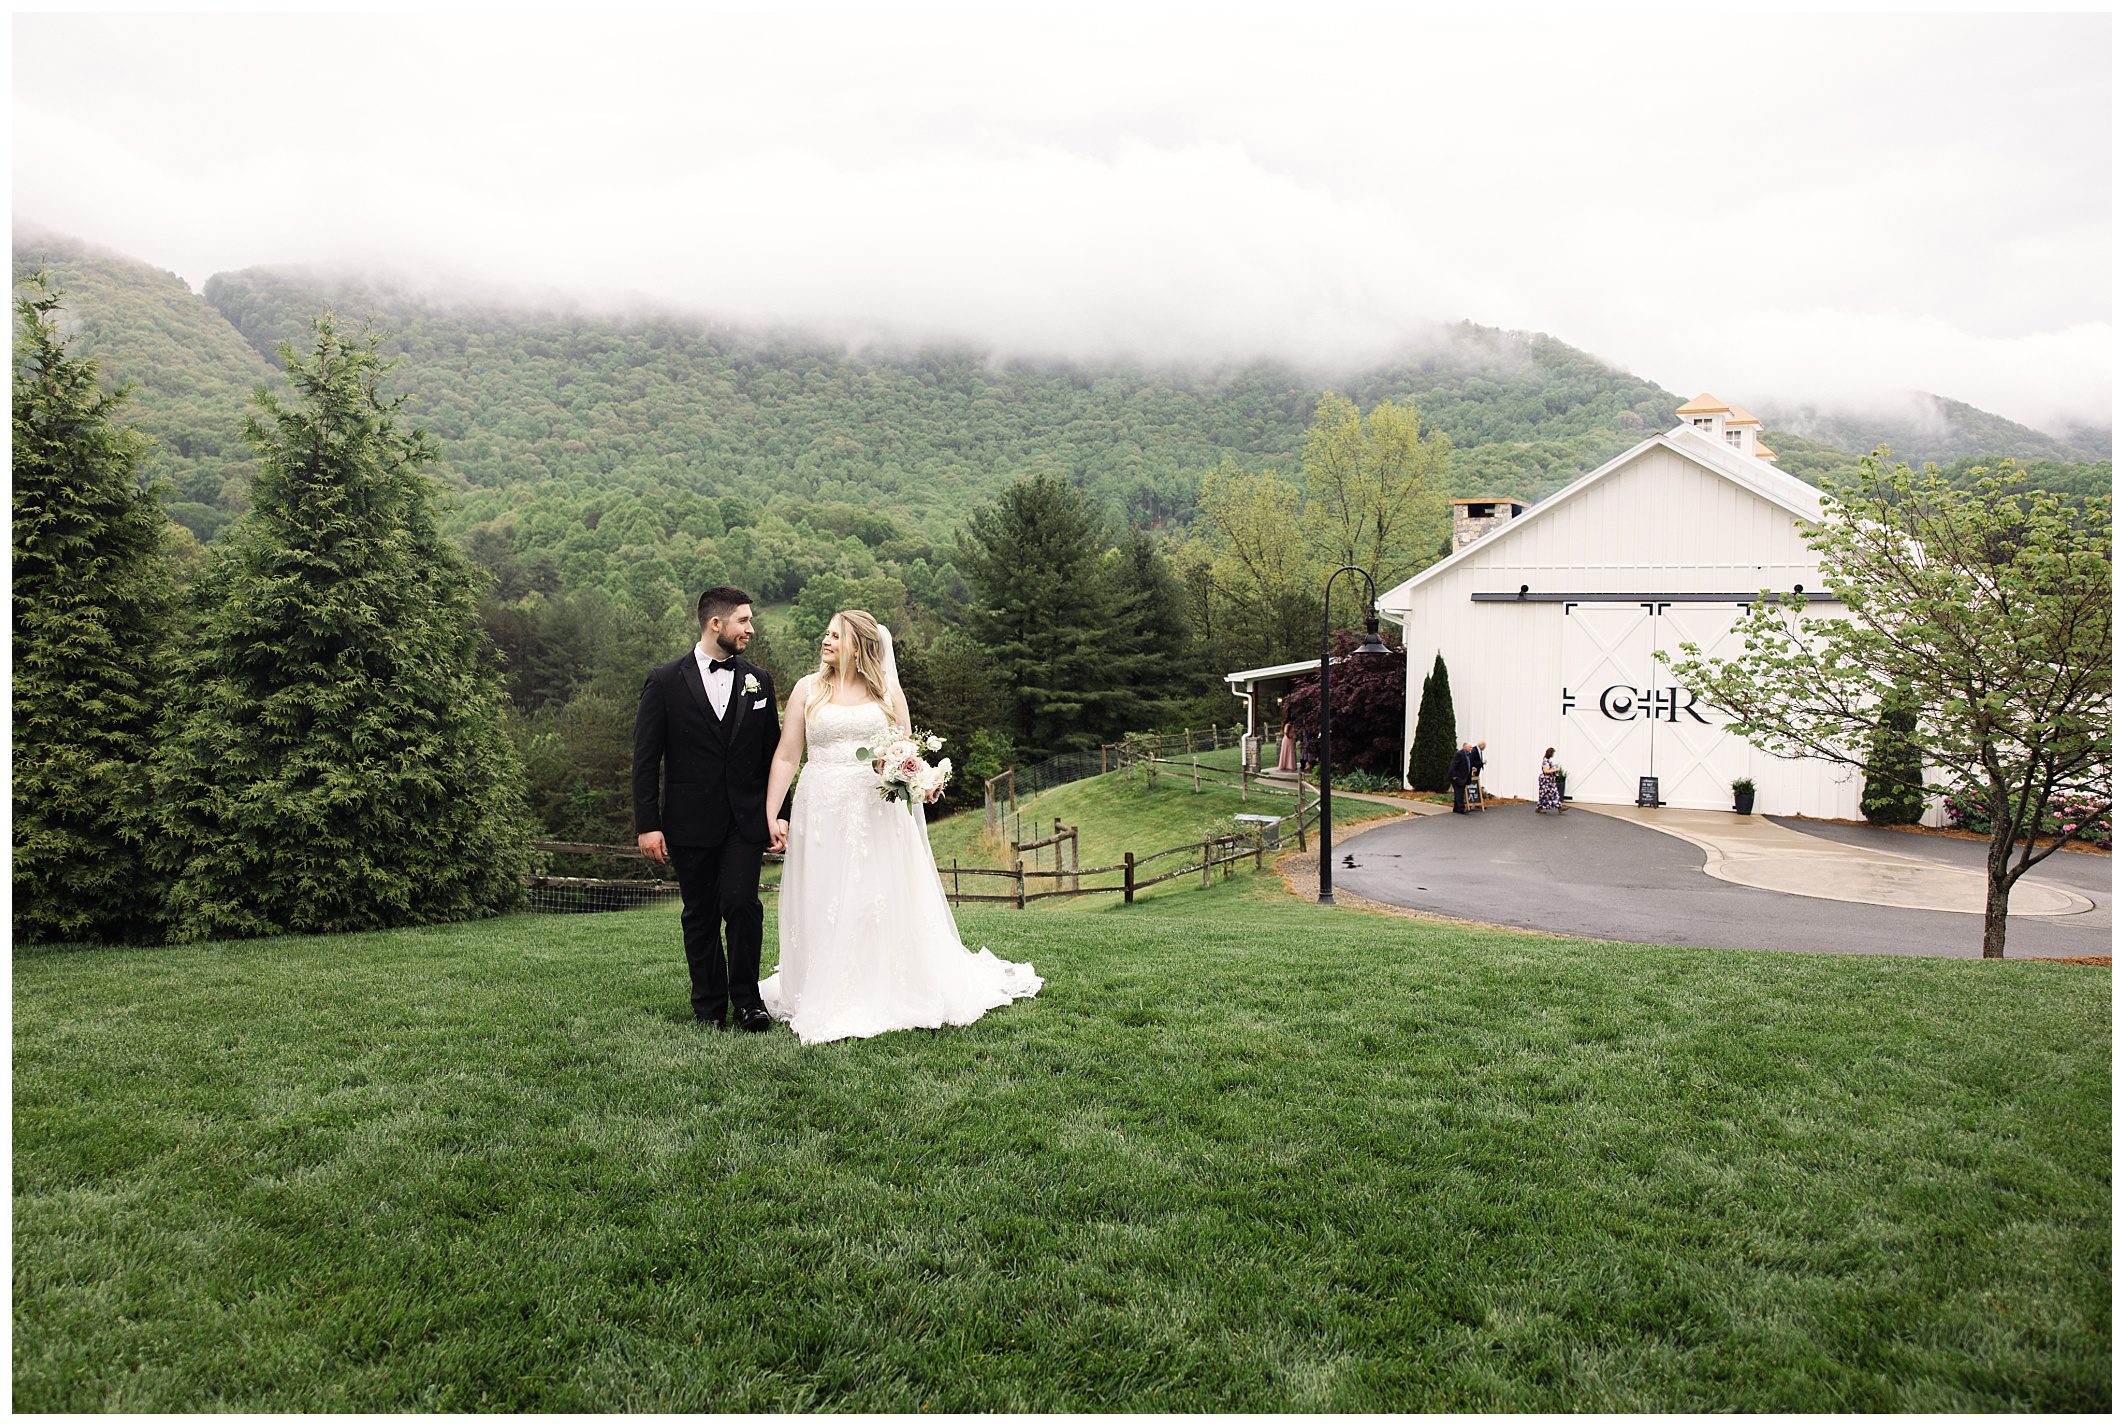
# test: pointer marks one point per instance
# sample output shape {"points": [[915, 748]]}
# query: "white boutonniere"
{"points": [[752, 683]]}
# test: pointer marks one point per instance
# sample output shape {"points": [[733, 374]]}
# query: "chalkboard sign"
{"points": [[1648, 792]]}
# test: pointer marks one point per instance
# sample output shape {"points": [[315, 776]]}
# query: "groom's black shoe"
{"points": [[755, 1019]]}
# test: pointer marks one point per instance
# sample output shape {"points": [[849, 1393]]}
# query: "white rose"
{"points": [[932, 742]]}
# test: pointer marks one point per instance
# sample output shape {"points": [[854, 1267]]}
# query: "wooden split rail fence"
{"points": [[1023, 884], [1132, 873], [1001, 793]]}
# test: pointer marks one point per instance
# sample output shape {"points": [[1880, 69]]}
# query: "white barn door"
{"points": [[1696, 758], [1606, 743]]}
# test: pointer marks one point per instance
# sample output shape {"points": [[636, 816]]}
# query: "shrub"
{"points": [[1431, 752], [2087, 819], [1895, 772], [1371, 703]]}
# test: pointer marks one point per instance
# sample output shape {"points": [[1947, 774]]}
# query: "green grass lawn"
{"points": [[1114, 815], [1241, 1153]]}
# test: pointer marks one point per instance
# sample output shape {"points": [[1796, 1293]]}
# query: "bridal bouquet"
{"points": [[903, 773]]}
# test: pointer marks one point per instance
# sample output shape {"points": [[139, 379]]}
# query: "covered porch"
{"points": [[1263, 691]]}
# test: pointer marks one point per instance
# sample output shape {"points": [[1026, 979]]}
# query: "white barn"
{"points": [[1548, 624]]}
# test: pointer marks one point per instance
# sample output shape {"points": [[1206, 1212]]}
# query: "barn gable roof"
{"points": [[1758, 478]]}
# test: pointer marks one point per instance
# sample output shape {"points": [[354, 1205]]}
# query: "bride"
{"points": [[868, 942]]}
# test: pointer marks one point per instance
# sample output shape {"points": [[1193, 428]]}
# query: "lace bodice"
{"points": [[834, 732]]}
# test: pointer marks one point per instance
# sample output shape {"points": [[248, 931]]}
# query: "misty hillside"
{"points": [[765, 444], [1933, 428], [190, 371], [611, 402]]}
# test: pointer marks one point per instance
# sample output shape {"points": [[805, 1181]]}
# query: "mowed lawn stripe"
{"points": [[1241, 1153]]}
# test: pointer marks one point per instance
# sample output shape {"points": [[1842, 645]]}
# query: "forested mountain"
{"points": [[1933, 428], [191, 372], [633, 409], [749, 448]]}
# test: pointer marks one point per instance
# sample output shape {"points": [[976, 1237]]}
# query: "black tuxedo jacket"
{"points": [[1461, 770], [700, 779]]}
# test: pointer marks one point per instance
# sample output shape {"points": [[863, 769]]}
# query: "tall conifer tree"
{"points": [[1061, 630], [338, 763], [92, 621], [1431, 752]]}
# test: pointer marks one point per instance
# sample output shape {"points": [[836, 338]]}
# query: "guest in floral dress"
{"points": [[1551, 799]]}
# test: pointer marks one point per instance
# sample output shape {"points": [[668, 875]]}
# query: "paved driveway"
{"points": [[1584, 874]]}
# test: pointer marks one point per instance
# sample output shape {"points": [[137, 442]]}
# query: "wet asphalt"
{"points": [[1582, 874]]}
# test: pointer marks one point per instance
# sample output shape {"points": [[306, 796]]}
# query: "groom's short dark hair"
{"points": [[721, 602]]}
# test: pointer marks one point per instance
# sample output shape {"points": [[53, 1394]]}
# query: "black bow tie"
{"points": [[721, 665]]}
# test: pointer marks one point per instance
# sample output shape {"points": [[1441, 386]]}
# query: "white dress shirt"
{"points": [[716, 681]]}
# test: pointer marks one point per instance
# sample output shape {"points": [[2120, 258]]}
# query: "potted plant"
{"points": [[1561, 795], [1744, 795]]}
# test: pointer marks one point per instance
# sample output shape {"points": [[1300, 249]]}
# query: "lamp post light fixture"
{"points": [[1371, 647]]}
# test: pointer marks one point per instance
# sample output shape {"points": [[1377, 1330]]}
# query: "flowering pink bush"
{"points": [[2085, 819]]}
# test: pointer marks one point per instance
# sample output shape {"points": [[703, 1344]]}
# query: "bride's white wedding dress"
{"points": [[868, 941]]}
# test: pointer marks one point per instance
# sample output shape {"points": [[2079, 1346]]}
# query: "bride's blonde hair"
{"points": [[863, 648]]}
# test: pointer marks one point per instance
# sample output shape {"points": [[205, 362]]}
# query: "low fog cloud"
{"points": [[1786, 209]]}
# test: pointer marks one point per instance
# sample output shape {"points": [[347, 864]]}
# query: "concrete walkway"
{"points": [[1757, 852]]}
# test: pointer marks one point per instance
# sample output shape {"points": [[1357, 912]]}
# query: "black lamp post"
{"points": [[1370, 646]]}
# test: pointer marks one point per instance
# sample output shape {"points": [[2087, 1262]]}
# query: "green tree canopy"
{"points": [[1050, 613], [1375, 491], [92, 626], [336, 762], [1988, 607]]}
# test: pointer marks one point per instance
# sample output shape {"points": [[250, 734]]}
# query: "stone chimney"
{"points": [[1472, 519]]}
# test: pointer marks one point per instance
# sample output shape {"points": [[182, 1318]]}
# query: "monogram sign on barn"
{"points": [[1623, 702]]}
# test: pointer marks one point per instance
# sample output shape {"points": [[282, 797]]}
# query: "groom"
{"points": [[707, 722]]}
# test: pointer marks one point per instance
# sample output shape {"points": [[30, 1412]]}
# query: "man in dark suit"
{"points": [[1461, 774], [704, 735]]}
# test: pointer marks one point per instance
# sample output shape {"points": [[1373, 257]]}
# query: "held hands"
{"points": [[777, 834], [652, 845]]}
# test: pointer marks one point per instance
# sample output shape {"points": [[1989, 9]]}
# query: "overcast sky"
{"points": [[1775, 208]]}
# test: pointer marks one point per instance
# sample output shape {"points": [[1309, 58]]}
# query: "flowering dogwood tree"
{"points": [[1990, 607]]}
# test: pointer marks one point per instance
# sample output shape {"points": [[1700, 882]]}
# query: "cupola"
{"points": [[1727, 424]]}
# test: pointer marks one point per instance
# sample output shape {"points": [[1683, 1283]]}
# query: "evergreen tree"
{"points": [[1894, 795], [1431, 751], [1057, 626], [1152, 633], [952, 690], [92, 625], [1409, 764], [337, 762]]}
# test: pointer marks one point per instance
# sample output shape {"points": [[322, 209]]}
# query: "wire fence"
{"points": [[625, 880]]}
